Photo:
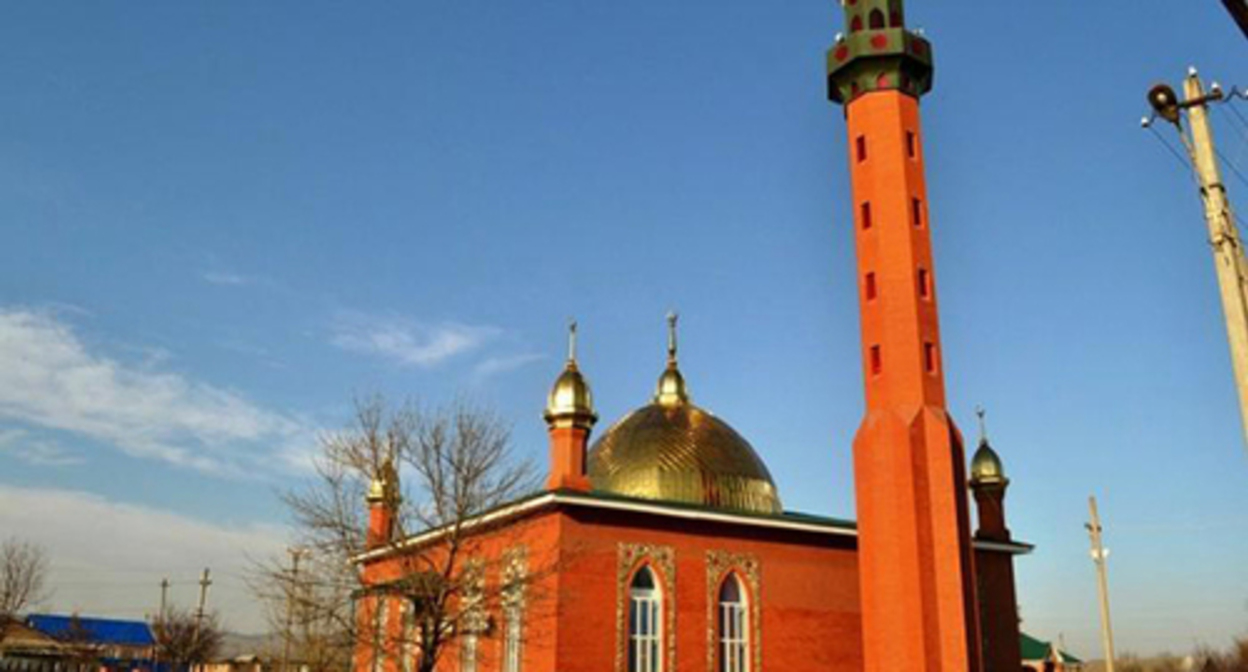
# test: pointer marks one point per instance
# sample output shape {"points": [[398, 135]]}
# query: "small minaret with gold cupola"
{"points": [[998, 602], [988, 483], [570, 418], [383, 501]]}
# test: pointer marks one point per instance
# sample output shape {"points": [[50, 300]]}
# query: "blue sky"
{"points": [[224, 220]]}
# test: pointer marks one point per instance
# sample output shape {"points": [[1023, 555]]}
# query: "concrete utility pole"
{"points": [[1228, 251], [160, 620], [1099, 554], [164, 597], [295, 554], [204, 582]]}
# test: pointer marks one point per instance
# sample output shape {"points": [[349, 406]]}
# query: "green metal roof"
{"points": [[1037, 649]]}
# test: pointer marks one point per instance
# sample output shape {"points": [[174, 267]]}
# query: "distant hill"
{"points": [[234, 644]]}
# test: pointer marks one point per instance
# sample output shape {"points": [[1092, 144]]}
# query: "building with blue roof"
{"points": [[118, 644]]}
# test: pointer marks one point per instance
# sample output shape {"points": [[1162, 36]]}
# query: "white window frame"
{"points": [[407, 647], [514, 576], [381, 623], [645, 625], [512, 638], [733, 628], [468, 652]]}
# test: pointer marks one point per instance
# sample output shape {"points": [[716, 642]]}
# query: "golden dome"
{"points": [[570, 401], [384, 487], [570, 398], [682, 453], [986, 467], [671, 389], [672, 450]]}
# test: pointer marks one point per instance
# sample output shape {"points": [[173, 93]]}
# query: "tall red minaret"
{"points": [[916, 566]]}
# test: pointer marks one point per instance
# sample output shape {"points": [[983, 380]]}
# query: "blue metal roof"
{"points": [[94, 630]]}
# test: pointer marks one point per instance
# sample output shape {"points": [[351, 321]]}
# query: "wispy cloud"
{"points": [[35, 450], [493, 366], [407, 341], [50, 378], [226, 278], [101, 549]]}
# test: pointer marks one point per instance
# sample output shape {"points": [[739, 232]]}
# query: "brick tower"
{"points": [[916, 565], [570, 418]]}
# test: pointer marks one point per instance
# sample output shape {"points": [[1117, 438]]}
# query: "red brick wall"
{"points": [[998, 610], [804, 586]]}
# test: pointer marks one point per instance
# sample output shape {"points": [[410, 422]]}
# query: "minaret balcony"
{"points": [[877, 60]]}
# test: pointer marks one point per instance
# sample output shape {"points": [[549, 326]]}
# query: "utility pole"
{"points": [[1228, 251], [1099, 554], [164, 594], [204, 582], [295, 553], [160, 622]]}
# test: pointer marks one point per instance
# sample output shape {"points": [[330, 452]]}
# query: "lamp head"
{"points": [[1165, 102]]}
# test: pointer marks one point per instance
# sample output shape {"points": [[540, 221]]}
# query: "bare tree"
{"points": [[457, 463], [183, 639], [23, 574], [1235, 659]]}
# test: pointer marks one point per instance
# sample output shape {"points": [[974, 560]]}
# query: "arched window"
{"points": [[381, 623], [894, 14], [511, 638], [876, 19], [645, 623], [855, 24], [407, 647], [474, 620], [468, 653], [514, 575], [734, 624]]}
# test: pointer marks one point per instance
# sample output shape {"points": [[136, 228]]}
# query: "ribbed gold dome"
{"points": [[681, 453], [986, 467], [674, 451]]}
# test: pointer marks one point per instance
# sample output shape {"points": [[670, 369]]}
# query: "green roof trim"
{"points": [[787, 516], [570, 497]]}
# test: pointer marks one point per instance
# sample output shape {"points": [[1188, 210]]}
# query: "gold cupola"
{"points": [[671, 390], [384, 487], [672, 450], [570, 402], [986, 469]]}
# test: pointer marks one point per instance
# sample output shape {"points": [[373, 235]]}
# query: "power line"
{"points": [[1187, 166], [1230, 164], [1235, 109], [1240, 124]]}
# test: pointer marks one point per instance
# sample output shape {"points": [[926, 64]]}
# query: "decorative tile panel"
{"points": [[662, 559], [719, 564]]}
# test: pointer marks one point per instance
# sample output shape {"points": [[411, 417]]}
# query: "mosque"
{"points": [[664, 545]]}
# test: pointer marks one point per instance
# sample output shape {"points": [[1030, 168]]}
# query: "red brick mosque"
{"points": [[664, 547]]}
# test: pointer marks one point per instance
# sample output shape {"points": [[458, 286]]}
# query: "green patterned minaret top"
{"points": [[878, 53]]}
